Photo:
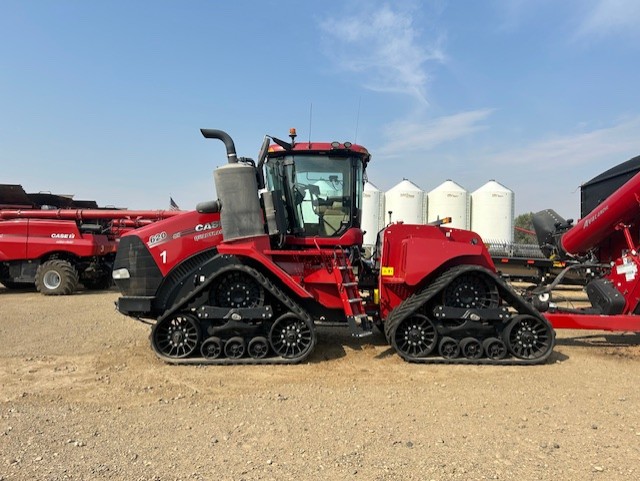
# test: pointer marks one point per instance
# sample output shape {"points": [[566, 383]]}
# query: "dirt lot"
{"points": [[83, 397]]}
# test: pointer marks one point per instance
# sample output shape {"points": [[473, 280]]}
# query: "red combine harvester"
{"points": [[247, 278], [604, 246], [56, 249]]}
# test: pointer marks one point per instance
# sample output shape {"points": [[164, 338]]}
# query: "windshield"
{"points": [[318, 191]]}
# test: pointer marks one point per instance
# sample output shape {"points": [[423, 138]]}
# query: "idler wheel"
{"points": [[528, 337], [449, 348], [415, 337], [258, 347], [211, 348], [176, 336], [494, 348], [471, 348], [234, 348], [292, 337]]}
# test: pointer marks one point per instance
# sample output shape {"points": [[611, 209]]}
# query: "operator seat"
{"points": [[332, 218]]}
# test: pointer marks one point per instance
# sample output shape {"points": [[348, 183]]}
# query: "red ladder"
{"points": [[359, 322]]}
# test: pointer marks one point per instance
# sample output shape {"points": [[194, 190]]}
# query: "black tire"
{"points": [[56, 278]]}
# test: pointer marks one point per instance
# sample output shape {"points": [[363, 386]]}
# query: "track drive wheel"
{"points": [[56, 277], [176, 337], [415, 337], [528, 337], [292, 337], [237, 289], [470, 290]]}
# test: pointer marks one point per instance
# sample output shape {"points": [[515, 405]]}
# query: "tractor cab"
{"points": [[320, 185]]}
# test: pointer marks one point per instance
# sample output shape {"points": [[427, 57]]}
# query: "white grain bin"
{"points": [[373, 214], [492, 212], [406, 201], [450, 200]]}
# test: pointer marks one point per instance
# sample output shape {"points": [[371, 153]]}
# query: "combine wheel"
{"points": [[237, 289], [415, 337], [258, 347], [494, 348], [471, 290], [471, 348], [56, 277], [449, 348], [292, 337], [176, 337], [234, 348], [211, 348], [528, 337]]}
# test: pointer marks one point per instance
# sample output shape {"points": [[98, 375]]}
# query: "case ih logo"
{"points": [[208, 226], [63, 236], [157, 238]]}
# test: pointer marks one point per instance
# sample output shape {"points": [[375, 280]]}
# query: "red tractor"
{"points": [[247, 278], [57, 249]]}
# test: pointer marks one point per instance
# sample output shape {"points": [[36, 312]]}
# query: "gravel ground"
{"points": [[83, 397]]}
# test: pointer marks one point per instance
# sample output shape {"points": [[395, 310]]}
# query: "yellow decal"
{"points": [[387, 271]]}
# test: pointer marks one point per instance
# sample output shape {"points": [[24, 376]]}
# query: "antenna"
{"points": [[355, 141], [310, 117]]}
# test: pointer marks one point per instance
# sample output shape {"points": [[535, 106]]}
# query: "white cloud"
{"points": [[407, 137], [610, 17], [617, 142], [386, 47]]}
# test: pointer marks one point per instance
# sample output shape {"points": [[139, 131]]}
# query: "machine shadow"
{"points": [[333, 343], [601, 340]]}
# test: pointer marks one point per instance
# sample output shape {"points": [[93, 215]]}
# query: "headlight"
{"points": [[122, 273]]}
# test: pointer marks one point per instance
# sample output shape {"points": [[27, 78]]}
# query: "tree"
{"points": [[524, 229]]}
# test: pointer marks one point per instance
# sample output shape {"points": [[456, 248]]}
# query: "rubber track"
{"points": [[198, 297], [418, 299]]}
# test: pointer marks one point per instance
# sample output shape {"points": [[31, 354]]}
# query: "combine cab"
{"points": [[247, 278]]}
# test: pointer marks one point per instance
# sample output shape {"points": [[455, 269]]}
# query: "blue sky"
{"points": [[105, 99]]}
